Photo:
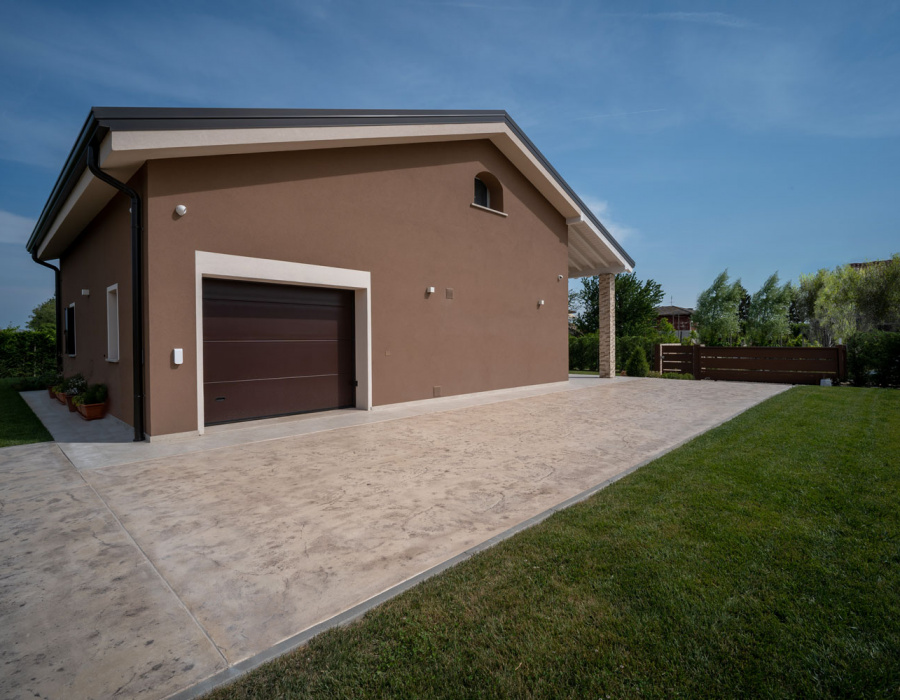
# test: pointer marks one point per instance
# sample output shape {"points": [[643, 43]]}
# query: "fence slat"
{"points": [[782, 365]]}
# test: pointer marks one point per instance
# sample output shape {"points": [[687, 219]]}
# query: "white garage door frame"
{"points": [[239, 267]]}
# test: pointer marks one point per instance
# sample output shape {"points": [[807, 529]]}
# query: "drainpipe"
{"points": [[137, 306], [58, 292]]}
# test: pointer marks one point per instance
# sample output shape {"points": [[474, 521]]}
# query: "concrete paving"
{"points": [[220, 554]]}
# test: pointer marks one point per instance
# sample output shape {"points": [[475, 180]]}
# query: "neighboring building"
{"points": [[678, 316], [299, 260]]}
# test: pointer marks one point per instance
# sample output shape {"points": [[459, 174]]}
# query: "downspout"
{"points": [[58, 293], [137, 305]]}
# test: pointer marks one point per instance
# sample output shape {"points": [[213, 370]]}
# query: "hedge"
{"points": [[584, 351], [873, 359], [25, 353]]}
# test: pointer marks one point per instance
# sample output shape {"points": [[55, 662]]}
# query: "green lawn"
{"points": [[18, 425], [584, 371], [762, 559]]}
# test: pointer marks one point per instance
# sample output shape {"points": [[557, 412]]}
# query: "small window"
{"points": [[482, 195], [70, 330], [488, 192], [112, 323]]}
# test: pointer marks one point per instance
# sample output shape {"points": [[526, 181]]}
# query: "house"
{"points": [[678, 316], [219, 265]]}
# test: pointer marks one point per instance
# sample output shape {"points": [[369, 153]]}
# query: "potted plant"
{"points": [[74, 386], [59, 391], [92, 403]]}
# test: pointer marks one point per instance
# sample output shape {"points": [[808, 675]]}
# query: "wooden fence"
{"points": [[781, 365]]}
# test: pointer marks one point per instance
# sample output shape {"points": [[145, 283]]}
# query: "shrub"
{"points": [[27, 353], [584, 352], [34, 383], [637, 365], [96, 393], [670, 375], [625, 347], [873, 359]]}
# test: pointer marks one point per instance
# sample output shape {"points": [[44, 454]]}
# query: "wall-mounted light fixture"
{"points": [[541, 302], [178, 356], [85, 292], [560, 278], [181, 210], [429, 290]]}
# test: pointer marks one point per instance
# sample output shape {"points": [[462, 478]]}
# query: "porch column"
{"points": [[607, 305]]}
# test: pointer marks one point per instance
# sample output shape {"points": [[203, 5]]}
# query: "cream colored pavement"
{"points": [[249, 545]]}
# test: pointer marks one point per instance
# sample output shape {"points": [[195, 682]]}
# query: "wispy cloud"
{"points": [[717, 19], [15, 228], [601, 210], [617, 114]]}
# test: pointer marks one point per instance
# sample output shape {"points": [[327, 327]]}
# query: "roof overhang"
{"points": [[127, 138]]}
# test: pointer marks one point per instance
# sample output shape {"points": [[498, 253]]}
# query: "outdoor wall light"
{"points": [[541, 302], [560, 277], [429, 290], [181, 210], [85, 292]]}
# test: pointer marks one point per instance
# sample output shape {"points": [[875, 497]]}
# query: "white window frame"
{"points": [[112, 324], [68, 331]]}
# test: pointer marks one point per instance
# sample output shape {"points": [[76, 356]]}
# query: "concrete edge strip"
{"points": [[357, 611]]}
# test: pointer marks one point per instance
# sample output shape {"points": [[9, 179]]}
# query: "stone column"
{"points": [[607, 305]]}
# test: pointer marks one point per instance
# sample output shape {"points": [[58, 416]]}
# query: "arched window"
{"points": [[488, 192]]}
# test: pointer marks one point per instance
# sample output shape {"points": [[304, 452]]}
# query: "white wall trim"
{"points": [[239, 267]]}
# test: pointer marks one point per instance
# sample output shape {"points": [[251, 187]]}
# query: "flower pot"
{"points": [[92, 411], [72, 406], [51, 392], [61, 396]]}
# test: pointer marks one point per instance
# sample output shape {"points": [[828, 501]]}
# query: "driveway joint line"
{"points": [[150, 562]]}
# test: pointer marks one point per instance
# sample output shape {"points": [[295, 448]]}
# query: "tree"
{"points": [[588, 319], [43, 317], [859, 298], [743, 308], [717, 311], [636, 304], [767, 318]]}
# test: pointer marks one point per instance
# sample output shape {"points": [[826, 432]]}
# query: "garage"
{"points": [[272, 350]]}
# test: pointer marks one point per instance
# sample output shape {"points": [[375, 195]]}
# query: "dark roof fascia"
{"points": [[76, 163], [104, 119]]}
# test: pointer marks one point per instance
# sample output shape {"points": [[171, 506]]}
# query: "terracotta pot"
{"points": [[72, 406], [61, 397], [51, 392], [92, 411]]}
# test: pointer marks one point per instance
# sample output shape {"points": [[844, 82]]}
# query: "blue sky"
{"points": [[750, 136]]}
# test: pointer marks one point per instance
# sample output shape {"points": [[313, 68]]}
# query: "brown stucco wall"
{"points": [[99, 258], [401, 212]]}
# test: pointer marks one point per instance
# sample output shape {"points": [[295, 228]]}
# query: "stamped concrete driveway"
{"points": [[145, 578]]}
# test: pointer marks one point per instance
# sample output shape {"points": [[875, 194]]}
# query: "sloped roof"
{"points": [[127, 137], [673, 311]]}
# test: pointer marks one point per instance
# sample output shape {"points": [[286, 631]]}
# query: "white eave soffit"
{"points": [[122, 153]]}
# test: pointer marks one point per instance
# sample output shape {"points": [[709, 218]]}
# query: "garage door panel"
{"points": [[273, 349], [238, 361], [234, 401], [234, 320]]}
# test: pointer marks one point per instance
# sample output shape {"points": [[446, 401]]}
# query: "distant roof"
{"points": [[673, 311], [126, 137]]}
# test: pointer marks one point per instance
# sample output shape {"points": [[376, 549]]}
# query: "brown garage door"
{"points": [[270, 349]]}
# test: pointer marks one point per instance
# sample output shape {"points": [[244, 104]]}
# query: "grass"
{"points": [[584, 371], [761, 559], [18, 424]]}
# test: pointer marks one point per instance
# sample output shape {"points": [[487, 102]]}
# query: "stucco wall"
{"points": [[401, 212], [99, 258]]}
